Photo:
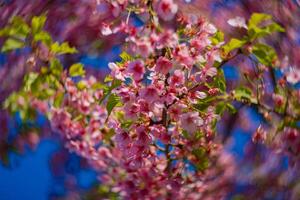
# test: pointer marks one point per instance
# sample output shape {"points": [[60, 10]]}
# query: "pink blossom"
{"points": [[183, 56], [200, 43], [213, 56], [116, 72], [41, 106], [60, 120], [213, 91], [293, 76], [131, 110], [104, 152], [156, 109], [123, 146], [200, 95], [212, 71], [157, 130], [106, 30], [290, 142], [85, 99], [191, 121], [113, 123], [163, 65], [239, 22], [144, 48], [75, 129], [177, 78], [70, 87], [259, 135], [122, 139], [98, 94], [137, 69], [167, 38], [150, 94], [195, 95], [136, 163], [169, 98], [116, 8], [278, 99], [144, 105], [98, 113], [143, 136], [125, 94], [210, 28], [176, 110], [166, 9]]}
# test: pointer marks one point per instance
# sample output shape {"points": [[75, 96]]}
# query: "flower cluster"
{"points": [[153, 132], [153, 121]]}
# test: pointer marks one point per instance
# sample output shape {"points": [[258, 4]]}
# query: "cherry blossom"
{"points": [[191, 121], [136, 69], [149, 129], [238, 22], [166, 9], [116, 72], [293, 76], [163, 65]]}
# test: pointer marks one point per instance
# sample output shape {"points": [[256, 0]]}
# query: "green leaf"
{"points": [[198, 135], [185, 134], [114, 84], [126, 124], [231, 108], [256, 32], [4, 31], [203, 104], [37, 23], [203, 164], [219, 81], [223, 106], [234, 43], [56, 67], [274, 27], [49, 92], [98, 85], [81, 85], [29, 79], [258, 18], [125, 57], [19, 103], [113, 101], [18, 28], [264, 53], [12, 44], [63, 48], [217, 38], [44, 37], [108, 78], [202, 157], [220, 108], [259, 26], [58, 99], [244, 94], [36, 84], [9, 102], [77, 70]]}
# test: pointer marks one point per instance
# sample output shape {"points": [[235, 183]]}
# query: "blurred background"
{"points": [[34, 163]]}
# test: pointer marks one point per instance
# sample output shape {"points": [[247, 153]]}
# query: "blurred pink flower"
{"points": [[166, 9], [191, 121]]}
